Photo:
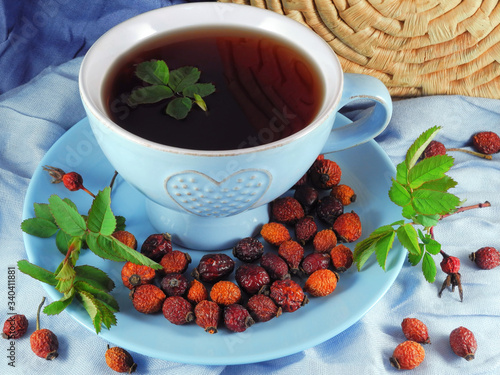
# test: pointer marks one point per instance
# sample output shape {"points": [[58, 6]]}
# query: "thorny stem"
{"points": [[484, 156], [466, 208], [38, 314]]}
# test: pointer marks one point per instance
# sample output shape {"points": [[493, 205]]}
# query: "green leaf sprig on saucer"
{"points": [[180, 84], [421, 189], [73, 231]]}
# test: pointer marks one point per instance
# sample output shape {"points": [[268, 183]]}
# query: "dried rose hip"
{"points": [[262, 308], [120, 360], [407, 355], [207, 315], [275, 266], [174, 284], [347, 227], [134, 275], [156, 246], [248, 249], [197, 292], [486, 258], [308, 197], [175, 262], [305, 230], [314, 261], [126, 238], [288, 294], [486, 142], [225, 293], [147, 298], [252, 278], [463, 343], [321, 283], [237, 318], [177, 310], [213, 267], [324, 241], [329, 209], [287, 210], [275, 233], [293, 253], [15, 327], [342, 258], [325, 174], [343, 193], [415, 330]]}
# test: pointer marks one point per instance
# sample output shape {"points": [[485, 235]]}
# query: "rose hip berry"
{"points": [[248, 249], [207, 315], [197, 292], [324, 241], [313, 262], [119, 360], [288, 294], [287, 210], [341, 257], [325, 174], [126, 238], [175, 262], [275, 266], [451, 266], [156, 246], [348, 227], [463, 343], [252, 278], [174, 284], [293, 253], [415, 330], [213, 267], [135, 274], [225, 293], [407, 355], [486, 258], [343, 193], [147, 298], [237, 318], [15, 327], [329, 209], [262, 308], [275, 233], [305, 230], [72, 181], [321, 283], [308, 197], [177, 310], [44, 342], [486, 142], [434, 148]]}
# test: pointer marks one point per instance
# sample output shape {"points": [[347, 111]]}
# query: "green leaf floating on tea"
{"points": [[180, 84]]}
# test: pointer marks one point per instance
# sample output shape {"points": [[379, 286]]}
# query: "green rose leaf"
{"points": [[101, 219], [67, 217], [37, 272], [429, 169], [408, 237], [155, 72], [39, 227], [418, 147], [201, 89], [429, 268], [183, 77], [179, 108], [149, 94], [398, 194]]}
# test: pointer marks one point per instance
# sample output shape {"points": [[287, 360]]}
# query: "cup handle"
{"points": [[361, 87]]}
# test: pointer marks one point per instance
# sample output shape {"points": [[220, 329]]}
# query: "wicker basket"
{"points": [[416, 47]]}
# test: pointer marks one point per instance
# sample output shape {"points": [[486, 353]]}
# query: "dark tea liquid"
{"points": [[265, 90]]}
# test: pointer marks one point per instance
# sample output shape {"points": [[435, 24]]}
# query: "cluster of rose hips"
{"points": [[484, 143], [411, 353], [264, 284]]}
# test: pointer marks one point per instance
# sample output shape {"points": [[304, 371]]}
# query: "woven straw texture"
{"points": [[416, 47]]}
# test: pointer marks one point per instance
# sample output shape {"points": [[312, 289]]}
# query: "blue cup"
{"points": [[208, 200]]}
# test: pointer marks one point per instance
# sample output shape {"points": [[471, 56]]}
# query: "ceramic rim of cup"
{"points": [[142, 28]]}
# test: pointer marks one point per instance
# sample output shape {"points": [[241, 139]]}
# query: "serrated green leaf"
{"points": [[102, 296], [408, 212], [183, 77], [179, 108], [430, 202], [101, 248], [101, 219], [37, 272], [120, 223], [433, 247], [39, 227], [67, 217], [364, 251], [402, 173], [108, 319], [42, 211], [384, 229], [429, 268], [133, 255], [382, 247], [426, 221], [442, 184], [399, 222], [91, 306], [418, 147], [200, 89], [429, 169], [149, 94], [70, 203], [62, 240], [415, 259], [398, 194], [408, 237], [57, 307], [153, 72], [65, 278], [95, 277]]}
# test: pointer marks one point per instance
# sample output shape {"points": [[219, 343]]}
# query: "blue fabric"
{"points": [[35, 114]]}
